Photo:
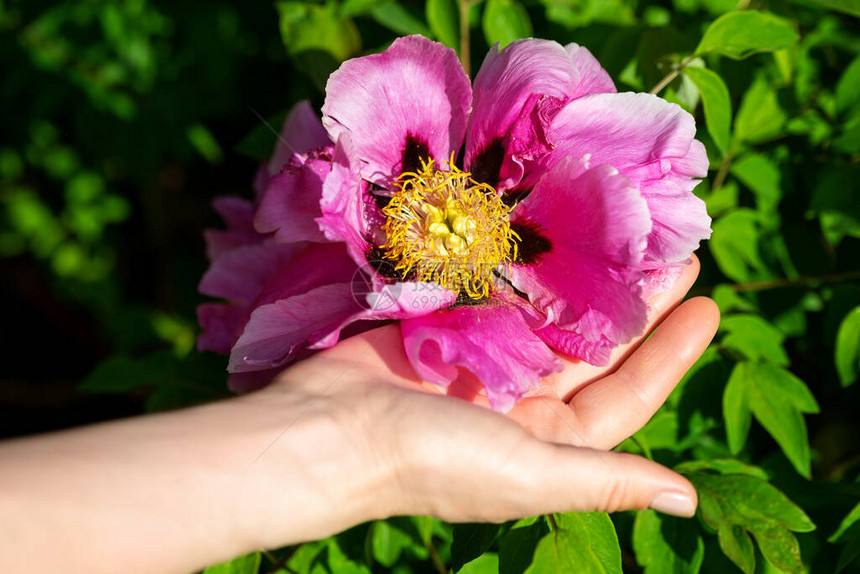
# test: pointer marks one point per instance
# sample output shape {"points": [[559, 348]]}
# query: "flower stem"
{"points": [[780, 283], [464, 36], [723, 172], [671, 75]]}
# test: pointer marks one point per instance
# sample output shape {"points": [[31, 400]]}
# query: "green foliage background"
{"points": [[122, 119]]}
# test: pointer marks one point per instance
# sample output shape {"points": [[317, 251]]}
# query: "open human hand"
{"points": [[408, 450]]}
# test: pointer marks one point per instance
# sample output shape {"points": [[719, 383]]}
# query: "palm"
{"points": [[583, 405]]}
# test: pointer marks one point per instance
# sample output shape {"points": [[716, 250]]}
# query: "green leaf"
{"points": [[311, 27], [847, 523], [561, 552], [388, 543], [717, 104], [596, 531], [248, 564], [338, 561], [777, 399], [394, 16], [487, 563], [734, 244], [846, 6], [847, 355], [722, 466], [737, 505], [835, 202], [666, 544], [760, 117], [755, 338], [762, 176], [443, 16], [317, 37], [848, 87], [117, 375], [505, 21], [470, 541], [517, 546], [741, 34], [736, 412]]}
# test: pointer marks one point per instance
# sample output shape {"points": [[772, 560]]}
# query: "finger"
{"points": [[617, 406], [536, 477], [578, 374]]}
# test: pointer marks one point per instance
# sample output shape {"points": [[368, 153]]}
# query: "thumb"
{"points": [[537, 477], [589, 480]]}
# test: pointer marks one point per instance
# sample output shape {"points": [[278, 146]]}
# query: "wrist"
{"points": [[315, 468]]}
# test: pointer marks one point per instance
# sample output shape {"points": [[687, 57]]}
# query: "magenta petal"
{"points": [[348, 211], [240, 274], [276, 330], [252, 380], [221, 325], [291, 203], [314, 319], [302, 132], [392, 302], [516, 93], [650, 141], [592, 78], [593, 227], [573, 344], [416, 89], [492, 341]]}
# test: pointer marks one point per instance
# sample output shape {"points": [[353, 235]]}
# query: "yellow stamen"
{"points": [[448, 229]]}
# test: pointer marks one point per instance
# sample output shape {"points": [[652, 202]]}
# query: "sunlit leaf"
{"points": [[470, 541], [443, 16], [760, 117], [717, 104], [848, 533], [752, 336], [517, 546], [505, 21], [777, 399], [596, 530], [667, 544], [394, 16], [762, 176], [734, 244], [740, 34], [248, 564], [848, 348], [739, 505]]}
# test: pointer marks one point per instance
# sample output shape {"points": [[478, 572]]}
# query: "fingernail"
{"points": [[673, 503]]}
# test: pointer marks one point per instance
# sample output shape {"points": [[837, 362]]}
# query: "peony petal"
{"points": [[516, 93], [583, 236], [221, 325], [240, 274], [291, 203], [251, 381], [492, 341], [650, 141], [593, 79], [349, 213], [316, 265], [573, 344], [302, 132], [410, 101], [276, 330], [314, 319]]}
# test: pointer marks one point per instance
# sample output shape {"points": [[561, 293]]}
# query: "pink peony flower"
{"points": [[534, 211]]}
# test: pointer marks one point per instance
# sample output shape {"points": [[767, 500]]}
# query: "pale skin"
{"points": [[346, 436]]}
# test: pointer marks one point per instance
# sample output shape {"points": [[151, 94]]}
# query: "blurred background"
{"points": [[120, 121]]}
